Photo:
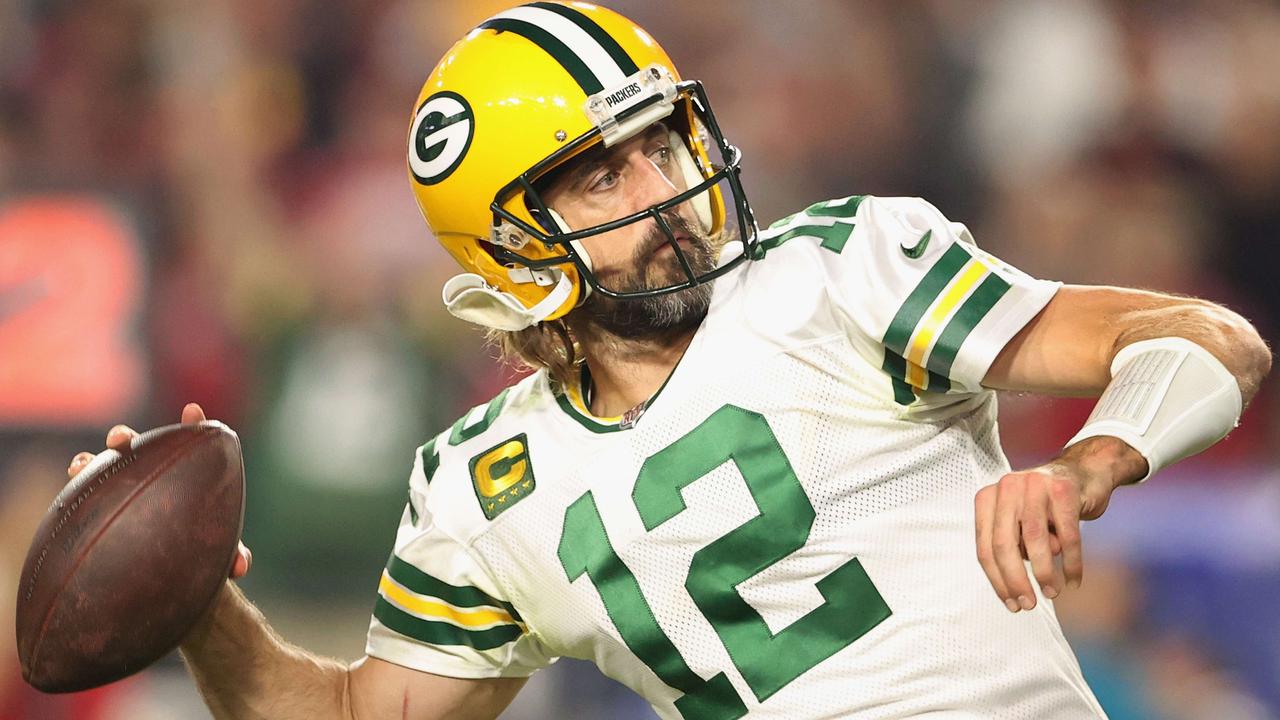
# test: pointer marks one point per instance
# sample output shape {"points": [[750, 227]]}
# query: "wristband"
{"points": [[1168, 399]]}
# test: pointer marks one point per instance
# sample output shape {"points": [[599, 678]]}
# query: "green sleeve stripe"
{"points": [[976, 307], [430, 459], [895, 365], [462, 432], [930, 287], [440, 633], [459, 596], [843, 208], [938, 382], [902, 393]]}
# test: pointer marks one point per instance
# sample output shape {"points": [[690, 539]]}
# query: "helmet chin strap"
{"points": [[468, 297]]}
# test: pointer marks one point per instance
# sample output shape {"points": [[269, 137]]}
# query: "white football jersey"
{"points": [[785, 531]]}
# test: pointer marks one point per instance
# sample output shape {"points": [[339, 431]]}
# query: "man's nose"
{"points": [[651, 185]]}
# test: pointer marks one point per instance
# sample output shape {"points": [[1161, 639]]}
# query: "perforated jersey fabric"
{"points": [[787, 529]]}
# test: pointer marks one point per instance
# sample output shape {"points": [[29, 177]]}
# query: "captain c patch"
{"points": [[502, 475]]}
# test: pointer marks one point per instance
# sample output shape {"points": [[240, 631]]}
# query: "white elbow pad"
{"points": [[1168, 398]]}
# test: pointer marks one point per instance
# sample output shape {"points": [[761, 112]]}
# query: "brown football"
{"points": [[129, 556]]}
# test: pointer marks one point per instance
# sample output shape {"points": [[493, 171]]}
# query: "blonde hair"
{"points": [[546, 345]]}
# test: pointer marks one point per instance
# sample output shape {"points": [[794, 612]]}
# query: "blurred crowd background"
{"points": [[207, 201]]}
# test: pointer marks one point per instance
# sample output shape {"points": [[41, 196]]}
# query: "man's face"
{"points": [[612, 183]]}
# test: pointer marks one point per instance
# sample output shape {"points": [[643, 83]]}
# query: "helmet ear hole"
{"points": [[692, 176]]}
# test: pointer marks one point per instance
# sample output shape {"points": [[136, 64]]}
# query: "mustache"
{"points": [[655, 238]]}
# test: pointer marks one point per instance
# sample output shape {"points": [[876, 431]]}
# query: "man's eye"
{"points": [[661, 156], [605, 181]]}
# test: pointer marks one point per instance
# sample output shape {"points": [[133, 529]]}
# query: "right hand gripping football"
{"points": [[118, 438]]}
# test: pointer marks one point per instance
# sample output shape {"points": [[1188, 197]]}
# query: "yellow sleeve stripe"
{"points": [[917, 376], [431, 609], [935, 320]]}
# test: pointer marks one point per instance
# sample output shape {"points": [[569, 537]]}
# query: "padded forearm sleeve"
{"points": [[1168, 398]]}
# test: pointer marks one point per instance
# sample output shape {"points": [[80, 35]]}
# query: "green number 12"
{"points": [[767, 661]]}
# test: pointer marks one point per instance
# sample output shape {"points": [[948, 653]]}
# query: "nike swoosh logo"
{"points": [[918, 249]]}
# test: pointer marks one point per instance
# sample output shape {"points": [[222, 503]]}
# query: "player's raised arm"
{"points": [[248, 672], [1174, 374], [1068, 349]]}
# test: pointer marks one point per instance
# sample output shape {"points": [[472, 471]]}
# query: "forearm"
{"points": [[1226, 335], [246, 671], [1069, 347]]}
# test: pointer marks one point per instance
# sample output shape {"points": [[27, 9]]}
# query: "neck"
{"points": [[625, 373]]}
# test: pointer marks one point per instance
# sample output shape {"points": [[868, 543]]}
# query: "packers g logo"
{"points": [[441, 134], [502, 475]]}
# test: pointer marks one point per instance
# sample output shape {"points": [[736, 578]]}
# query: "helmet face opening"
{"points": [[711, 170]]}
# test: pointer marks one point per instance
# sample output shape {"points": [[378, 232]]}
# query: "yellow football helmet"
{"points": [[524, 92]]}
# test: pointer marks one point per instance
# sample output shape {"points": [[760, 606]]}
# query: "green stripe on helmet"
{"points": [[553, 46], [607, 41]]}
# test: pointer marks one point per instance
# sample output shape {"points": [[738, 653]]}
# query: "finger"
{"points": [[1035, 534], [1064, 510], [118, 437], [1006, 542], [1059, 578], [243, 561], [78, 462], [984, 508], [192, 413]]}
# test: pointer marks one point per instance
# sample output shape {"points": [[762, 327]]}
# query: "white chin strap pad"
{"points": [[692, 176], [578, 248], [468, 297]]}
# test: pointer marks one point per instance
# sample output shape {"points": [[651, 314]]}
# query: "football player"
{"points": [[747, 477]]}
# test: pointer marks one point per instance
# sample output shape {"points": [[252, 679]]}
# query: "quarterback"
{"points": [[756, 472]]}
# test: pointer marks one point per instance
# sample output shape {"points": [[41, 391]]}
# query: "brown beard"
{"points": [[657, 316]]}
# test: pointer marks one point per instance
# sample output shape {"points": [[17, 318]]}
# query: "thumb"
{"points": [[244, 559], [192, 413]]}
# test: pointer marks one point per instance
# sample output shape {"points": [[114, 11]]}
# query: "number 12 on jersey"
{"points": [[767, 661]]}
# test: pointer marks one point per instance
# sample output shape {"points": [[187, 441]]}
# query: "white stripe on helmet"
{"points": [[590, 51]]}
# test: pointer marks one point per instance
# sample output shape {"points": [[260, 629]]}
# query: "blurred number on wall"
{"points": [[71, 287]]}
